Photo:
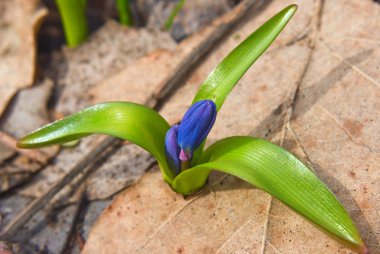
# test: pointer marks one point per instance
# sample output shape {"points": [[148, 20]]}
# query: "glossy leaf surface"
{"points": [[278, 172], [225, 76], [133, 122]]}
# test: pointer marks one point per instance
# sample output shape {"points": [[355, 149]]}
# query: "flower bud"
{"points": [[172, 149], [195, 126]]}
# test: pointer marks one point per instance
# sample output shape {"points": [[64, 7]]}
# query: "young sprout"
{"points": [[179, 149], [74, 21], [125, 16], [173, 14]]}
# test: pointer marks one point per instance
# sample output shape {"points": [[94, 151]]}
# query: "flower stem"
{"points": [[185, 165], [74, 21]]}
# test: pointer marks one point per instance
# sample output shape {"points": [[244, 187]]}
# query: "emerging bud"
{"points": [[195, 126], [172, 149]]}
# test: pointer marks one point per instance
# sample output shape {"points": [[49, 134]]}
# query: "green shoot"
{"points": [[74, 21]]}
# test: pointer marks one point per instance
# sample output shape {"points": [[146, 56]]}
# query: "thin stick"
{"points": [[72, 235]]}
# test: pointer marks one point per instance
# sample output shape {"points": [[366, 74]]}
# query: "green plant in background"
{"points": [[173, 14], [74, 20], [125, 16], [184, 164]]}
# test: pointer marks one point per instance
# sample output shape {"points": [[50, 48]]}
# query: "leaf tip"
{"points": [[293, 6], [291, 9], [21, 143]]}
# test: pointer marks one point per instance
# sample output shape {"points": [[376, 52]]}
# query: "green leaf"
{"points": [[278, 172], [133, 122], [73, 16], [173, 14], [124, 9], [225, 76]]}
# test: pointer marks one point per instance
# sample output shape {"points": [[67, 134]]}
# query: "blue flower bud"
{"points": [[195, 126], [172, 149]]}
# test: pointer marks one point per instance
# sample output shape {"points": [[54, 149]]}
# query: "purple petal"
{"points": [[196, 124], [172, 149]]}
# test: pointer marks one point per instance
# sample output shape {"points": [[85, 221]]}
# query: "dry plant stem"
{"points": [[35, 155], [221, 26]]}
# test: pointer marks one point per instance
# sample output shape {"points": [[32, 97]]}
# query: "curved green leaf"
{"points": [[225, 76], [278, 172], [133, 122]]}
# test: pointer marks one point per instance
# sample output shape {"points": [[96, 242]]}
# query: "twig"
{"points": [[35, 155], [72, 234], [80, 241]]}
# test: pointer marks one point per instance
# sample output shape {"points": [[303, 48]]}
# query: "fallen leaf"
{"points": [[19, 22], [177, 218], [192, 17], [316, 93], [5, 152], [122, 169], [27, 112], [105, 53]]}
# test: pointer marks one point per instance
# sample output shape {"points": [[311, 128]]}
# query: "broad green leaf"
{"points": [[281, 174], [133, 122], [225, 76]]}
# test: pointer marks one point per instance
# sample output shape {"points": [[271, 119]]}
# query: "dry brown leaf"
{"points": [[19, 21], [193, 15], [329, 53], [27, 112], [147, 76], [119, 171], [177, 224], [103, 55]]}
